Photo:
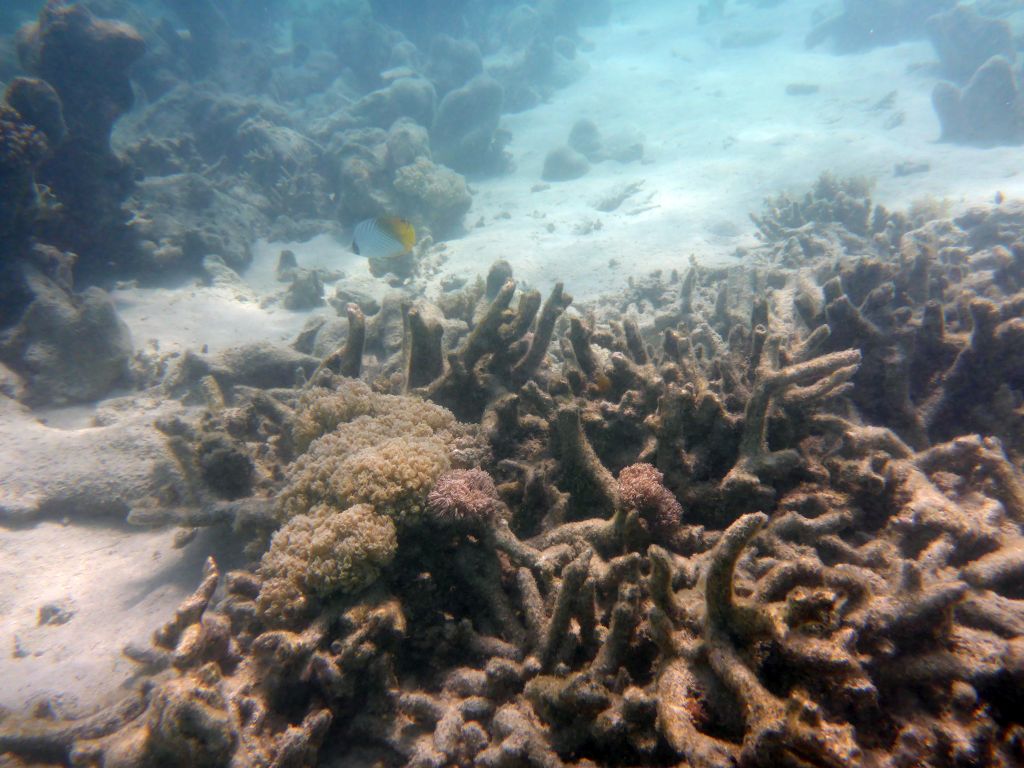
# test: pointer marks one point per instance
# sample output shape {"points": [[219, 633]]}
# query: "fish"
{"points": [[383, 238]]}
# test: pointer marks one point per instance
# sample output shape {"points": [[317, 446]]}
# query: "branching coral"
{"points": [[843, 588]]}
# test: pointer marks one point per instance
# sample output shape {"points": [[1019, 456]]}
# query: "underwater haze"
{"points": [[500, 384]]}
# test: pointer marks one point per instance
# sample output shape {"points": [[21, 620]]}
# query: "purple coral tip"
{"points": [[463, 496], [641, 487]]}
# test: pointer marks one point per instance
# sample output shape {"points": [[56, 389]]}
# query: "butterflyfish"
{"points": [[383, 238]]}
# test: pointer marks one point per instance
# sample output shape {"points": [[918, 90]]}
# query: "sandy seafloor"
{"points": [[720, 133]]}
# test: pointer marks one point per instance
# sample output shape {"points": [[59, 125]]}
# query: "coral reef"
{"points": [[465, 131], [85, 60], [786, 534], [433, 193], [359, 447], [321, 553], [30, 123], [463, 496], [364, 109]]}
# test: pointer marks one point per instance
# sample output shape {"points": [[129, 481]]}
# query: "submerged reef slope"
{"points": [[768, 515]]}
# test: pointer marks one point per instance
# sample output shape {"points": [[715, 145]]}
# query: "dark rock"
{"points": [[86, 61], [411, 97], [564, 164], [407, 142], [909, 167], [964, 40], [39, 105], [68, 347], [217, 273], [362, 173], [465, 132], [22, 148], [433, 195], [306, 290], [585, 138], [56, 612], [322, 335], [453, 63], [361, 44], [626, 146], [345, 295], [261, 365], [286, 265], [986, 111], [179, 219], [225, 468], [802, 89]]}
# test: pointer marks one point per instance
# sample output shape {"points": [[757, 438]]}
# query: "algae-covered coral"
{"points": [[757, 521]]}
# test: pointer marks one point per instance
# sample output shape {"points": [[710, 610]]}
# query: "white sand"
{"points": [[720, 134], [119, 586]]}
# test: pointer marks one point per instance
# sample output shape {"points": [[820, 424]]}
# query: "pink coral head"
{"points": [[642, 489], [463, 496]]}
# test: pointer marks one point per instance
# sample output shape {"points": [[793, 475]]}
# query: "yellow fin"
{"points": [[402, 230]]}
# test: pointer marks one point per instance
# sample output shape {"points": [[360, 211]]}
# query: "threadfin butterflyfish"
{"points": [[383, 238]]}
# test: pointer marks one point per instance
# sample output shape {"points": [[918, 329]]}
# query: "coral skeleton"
{"points": [[781, 527]]}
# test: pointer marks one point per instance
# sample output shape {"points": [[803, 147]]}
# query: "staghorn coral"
{"points": [[844, 588]]}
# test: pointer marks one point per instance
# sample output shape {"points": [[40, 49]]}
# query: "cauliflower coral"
{"points": [[364, 447], [323, 553], [368, 460], [321, 410]]}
